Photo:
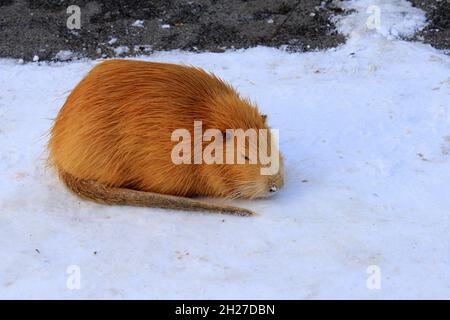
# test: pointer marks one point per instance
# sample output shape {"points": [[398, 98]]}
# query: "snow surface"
{"points": [[365, 130], [121, 50]]}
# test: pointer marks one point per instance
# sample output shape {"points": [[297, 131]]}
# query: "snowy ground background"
{"points": [[365, 130]]}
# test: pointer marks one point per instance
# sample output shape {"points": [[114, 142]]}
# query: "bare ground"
{"points": [[38, 28]]}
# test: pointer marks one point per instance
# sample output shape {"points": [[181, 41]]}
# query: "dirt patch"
{"points": [[437, 33], [37, 28]]}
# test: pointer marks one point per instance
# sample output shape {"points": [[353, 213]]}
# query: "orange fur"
{"points": [[115, 128]]}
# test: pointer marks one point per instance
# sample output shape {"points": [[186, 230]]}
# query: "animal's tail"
{"points": [[92, 190]]}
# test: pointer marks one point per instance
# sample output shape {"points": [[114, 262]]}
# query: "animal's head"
{"points": [[252, 164]]}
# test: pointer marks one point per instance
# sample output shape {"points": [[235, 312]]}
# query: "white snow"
{"points": [[65, 55], [144, 48], [365, 130], [138, 24], [397, 18], [112, 40], [121, 50]]}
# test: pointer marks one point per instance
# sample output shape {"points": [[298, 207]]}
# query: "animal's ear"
{"points": [[264, 117]]}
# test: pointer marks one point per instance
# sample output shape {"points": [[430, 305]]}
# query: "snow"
{"points": [[143, 48], [65, 55], [121, 50], [365, 131], [138, 24], [397, 18], [112, 40]]}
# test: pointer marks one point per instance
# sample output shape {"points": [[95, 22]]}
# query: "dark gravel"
{"points": [[437, 33], [31, 28], [38, 27]]}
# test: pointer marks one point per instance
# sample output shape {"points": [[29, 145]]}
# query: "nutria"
{"points": [[112, 139]]}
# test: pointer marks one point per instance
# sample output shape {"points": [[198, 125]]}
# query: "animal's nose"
{"points": [[273, 188]]}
